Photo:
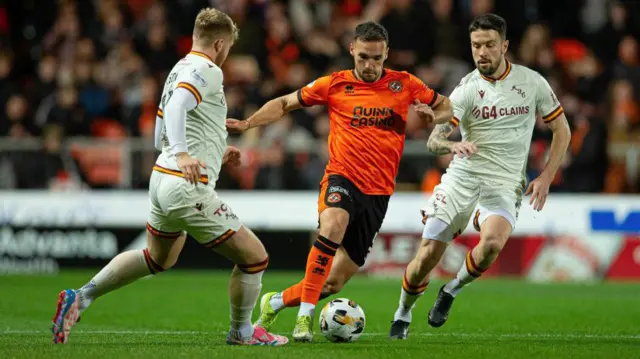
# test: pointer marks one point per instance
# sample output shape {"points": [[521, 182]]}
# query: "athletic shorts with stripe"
{"points": [[366, 213], [459, 198], [176, 205]]}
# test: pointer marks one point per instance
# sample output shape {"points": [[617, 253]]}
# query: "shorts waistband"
{"points": [[204, 179]]}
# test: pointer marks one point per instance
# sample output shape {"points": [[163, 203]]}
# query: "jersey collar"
{"points": [[201, 54], [355, 77], [502, 77]]}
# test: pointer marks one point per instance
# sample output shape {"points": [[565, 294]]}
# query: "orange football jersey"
{"points": [[368, 120]]}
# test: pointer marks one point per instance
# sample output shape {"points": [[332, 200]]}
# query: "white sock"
{"points": [[244, 290], [467, 274], [306, 309], [277, 303], [454, 286], [123, 269], [406, 304]]}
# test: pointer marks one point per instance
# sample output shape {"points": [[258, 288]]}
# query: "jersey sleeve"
{"points": [[315, 93], [459, 103], [422, 92], [200, 81], [547, 103]]}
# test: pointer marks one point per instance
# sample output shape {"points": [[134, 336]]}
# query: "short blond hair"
{"points": [[212, 24]]}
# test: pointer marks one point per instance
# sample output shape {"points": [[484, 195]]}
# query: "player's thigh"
{"points": [[336, 206], [164, 238], [213, 224], [342, 270], [244, 248], [448, 212], [364, 228], [498, 201], [165, 250], [496, 217]]}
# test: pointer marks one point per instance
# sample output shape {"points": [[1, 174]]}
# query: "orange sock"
{"points": [[291, 295], [318, 267]]}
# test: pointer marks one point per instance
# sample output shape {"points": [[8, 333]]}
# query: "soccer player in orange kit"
{"points": [[368, 109]]}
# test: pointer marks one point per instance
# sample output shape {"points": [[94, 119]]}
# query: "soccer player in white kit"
{"points": [[191, 133], [495, 107]]}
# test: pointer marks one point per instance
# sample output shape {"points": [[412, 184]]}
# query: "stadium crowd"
{"points": [[95, 68]]}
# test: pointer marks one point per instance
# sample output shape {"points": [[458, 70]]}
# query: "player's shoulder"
{"points": [[203, 73], [400, 75], [522, 72], [471, 80]]}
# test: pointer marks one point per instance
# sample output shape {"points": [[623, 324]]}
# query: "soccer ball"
{"points": [[342, 320]]}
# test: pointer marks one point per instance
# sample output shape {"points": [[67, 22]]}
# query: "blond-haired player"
{"points": [[495, 107], [191, 133]]}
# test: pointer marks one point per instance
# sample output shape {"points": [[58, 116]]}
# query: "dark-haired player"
{"points": [[495, 107], [368, 107]]}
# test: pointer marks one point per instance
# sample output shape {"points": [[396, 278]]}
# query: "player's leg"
{"points": [[163, 249], [494, 233], [335, 206], [215, 226], [435, 238], [446, 213], [251, 259], [273, 302], [495, 219]]}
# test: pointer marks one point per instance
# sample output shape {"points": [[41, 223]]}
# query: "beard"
{"points": [[488, 69]]}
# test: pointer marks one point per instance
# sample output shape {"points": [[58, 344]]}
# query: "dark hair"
{"points": [[489, 22], [371, 31]]}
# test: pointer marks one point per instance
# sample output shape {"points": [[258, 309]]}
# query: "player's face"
{"points": [[488, 50], [369, 57]]}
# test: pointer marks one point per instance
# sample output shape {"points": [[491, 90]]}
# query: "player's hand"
{"points": [[539, 190], [190, 167], [464, 149], [424, 111], [232, 156], [237, 126]]}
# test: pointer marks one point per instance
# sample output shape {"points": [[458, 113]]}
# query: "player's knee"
{"points": [[334, 223], [156, 262], [493, 243]]}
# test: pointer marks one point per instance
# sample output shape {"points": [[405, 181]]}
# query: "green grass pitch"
{"points": [[185, 314]]}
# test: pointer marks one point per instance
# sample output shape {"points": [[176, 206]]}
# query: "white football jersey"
{"points": [[206, 131], [498, 116]]}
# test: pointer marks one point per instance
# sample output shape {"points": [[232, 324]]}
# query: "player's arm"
{"points": [[454, 108], [552, 113], [271, 111], [316, 93], [428, 104], [539, 188], [439, 143], [175, 119], [442, 110], [559, 145]]}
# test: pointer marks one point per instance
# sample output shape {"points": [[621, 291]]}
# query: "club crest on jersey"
{"points": [[348, 90], [395, 86], [519, 91], [199, 78], [334, 198], [481, 93]]}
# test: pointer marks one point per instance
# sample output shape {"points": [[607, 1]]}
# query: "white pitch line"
{"points": [[435, 335]]}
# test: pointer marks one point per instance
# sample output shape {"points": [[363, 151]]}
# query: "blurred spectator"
{"points": [[16, 121]]}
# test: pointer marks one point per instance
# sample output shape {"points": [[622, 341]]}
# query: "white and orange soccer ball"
{"points": [[342, 320]]}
